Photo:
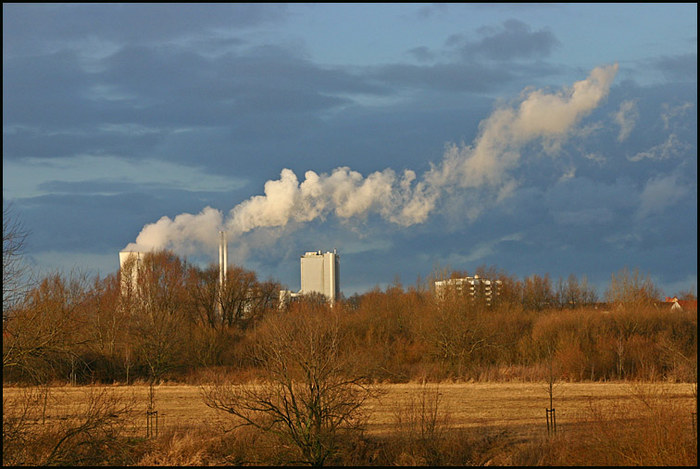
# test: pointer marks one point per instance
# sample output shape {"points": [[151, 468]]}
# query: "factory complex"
{"points": [[320, 274]]}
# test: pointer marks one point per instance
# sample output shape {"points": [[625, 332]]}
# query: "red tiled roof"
{"points": [[688, 305]]}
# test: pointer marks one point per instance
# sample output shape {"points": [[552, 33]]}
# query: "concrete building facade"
{"points": [[475, 288], [320, 274]]}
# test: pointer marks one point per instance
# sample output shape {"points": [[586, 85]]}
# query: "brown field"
{"points": [[517, 408]]}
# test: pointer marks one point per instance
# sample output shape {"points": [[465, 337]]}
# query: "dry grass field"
{"points": [[620, 423], [518, 408]]}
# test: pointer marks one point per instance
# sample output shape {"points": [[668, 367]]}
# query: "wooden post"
{"points": [[151, 423], [551, 421]]}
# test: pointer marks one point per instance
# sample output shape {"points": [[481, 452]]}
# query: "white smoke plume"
{"points": [[345, 193], [547, 116], [185, 234], [402, 199]]}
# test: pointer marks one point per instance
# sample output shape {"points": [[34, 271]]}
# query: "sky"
{"points": [[412, 138]]}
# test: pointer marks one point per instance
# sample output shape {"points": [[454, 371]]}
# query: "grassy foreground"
{"points": [[409, 424]]}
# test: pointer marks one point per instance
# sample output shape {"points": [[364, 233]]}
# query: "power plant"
{"points": [[130, 263], [320, 273]]}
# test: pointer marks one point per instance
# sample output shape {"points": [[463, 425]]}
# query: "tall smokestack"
{"points": [[223, 258], [223, 265]]}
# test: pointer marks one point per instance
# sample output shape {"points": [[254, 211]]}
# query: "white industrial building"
{"points": [[476, 288], [320, 273], [129, 278]]}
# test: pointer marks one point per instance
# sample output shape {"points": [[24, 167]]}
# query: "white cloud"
{"points": [[570, 174], [595, 157], [663, 151], [673, 112], [626, 117]]}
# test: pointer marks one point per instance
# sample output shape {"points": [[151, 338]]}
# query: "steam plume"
{"points": [[402, 199]]}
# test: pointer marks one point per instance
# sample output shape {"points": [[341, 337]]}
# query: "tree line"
{"points": [[297, 375], [175, 321]]}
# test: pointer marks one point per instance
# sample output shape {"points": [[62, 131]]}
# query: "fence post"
{"points": [[551, 421], [151, 423]]}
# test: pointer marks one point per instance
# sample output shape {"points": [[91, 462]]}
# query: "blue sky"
{"points": [[412, 138]]}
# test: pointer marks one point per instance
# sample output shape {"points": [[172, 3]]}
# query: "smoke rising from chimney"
{"points": [[402, 199]]}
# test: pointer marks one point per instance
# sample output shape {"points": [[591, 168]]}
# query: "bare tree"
{"points": [[537, 292], [571, 293], [307, 392], [46, 331], [631, 289], [244, 299], [241, 301], [157, 317], [108, 327], [457, 334], [91, 433], [589, 295], [14, 271], [203, 293], [560, 293]]}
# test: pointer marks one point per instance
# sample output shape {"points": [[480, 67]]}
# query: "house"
{"points": [[681, 305]]}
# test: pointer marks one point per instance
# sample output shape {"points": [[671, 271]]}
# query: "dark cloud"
{"points": [[38, 143], [142, 97], [46, 90], [678, 67], [422, 54], [92, 187], [512, 40], [447, 77], [180, 84], [432, 10], [77, 217], [89, 223], [34, 27], [276, 79]]}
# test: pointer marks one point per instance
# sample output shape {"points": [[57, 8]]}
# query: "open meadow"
{"points": [[510, 415], [516, 407]]}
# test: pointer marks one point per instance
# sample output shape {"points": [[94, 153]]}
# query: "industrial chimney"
{"points": [[223, 258], [223, 266]]}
